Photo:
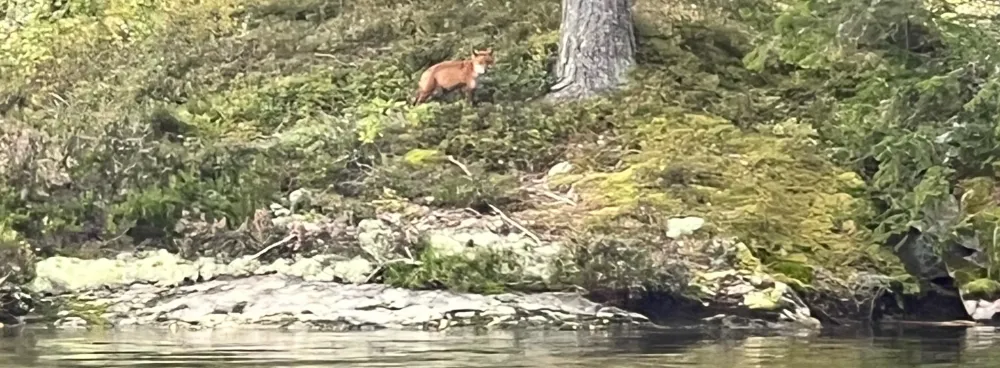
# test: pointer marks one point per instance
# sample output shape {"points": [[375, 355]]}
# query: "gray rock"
{"points": [[376, 238], [678, 227], [287, 301], [982, 310]]}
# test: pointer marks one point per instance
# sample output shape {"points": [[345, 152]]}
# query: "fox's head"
{"points": [[482, 59]]}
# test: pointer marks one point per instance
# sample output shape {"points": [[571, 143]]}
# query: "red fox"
{"points": [[453, 74]]}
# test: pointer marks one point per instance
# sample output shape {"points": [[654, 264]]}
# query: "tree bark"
{"points": [[596, 48]]}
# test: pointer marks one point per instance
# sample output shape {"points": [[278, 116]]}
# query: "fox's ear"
{"points": [[489, 50]]}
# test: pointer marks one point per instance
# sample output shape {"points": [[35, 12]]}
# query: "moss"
{"points": [[89, 311], [767, 299], [986, 289], [419, 157], [772, 188]]}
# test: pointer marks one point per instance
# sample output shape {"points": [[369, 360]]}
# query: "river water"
{"points": [[884, 348]]}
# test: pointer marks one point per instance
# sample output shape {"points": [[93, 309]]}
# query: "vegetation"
{"points": [[811, 130], [485, 272]]}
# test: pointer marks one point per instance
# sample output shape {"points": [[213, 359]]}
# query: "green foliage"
{"points": [[452, 187], [981, 289], [905, 93], [483, 271]]}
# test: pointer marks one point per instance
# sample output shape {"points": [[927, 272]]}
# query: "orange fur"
{"points": [[454, 74]]}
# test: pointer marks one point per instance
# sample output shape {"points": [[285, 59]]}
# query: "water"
{"points": [[941, 347]]}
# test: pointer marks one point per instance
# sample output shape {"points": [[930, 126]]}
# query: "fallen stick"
{"points": [[552, 195], [460, 166], [515, 224], [4, 278], [272, 246]]}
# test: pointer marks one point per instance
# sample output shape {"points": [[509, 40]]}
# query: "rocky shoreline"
{"points": [[160, 289], [324, 274], [288, 302]]}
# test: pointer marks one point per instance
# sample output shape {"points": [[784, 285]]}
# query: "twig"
{"points": [[460, 165], [515, 224], [57, 97], [4, 278], [552, 195], [272, 246]]}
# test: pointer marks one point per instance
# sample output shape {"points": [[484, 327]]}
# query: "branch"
{"points": [[272, 246], [515, 224], [552, 195], [460, 166]]}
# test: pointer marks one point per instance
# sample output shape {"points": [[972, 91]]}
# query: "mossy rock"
{"points": [[984, 289]]}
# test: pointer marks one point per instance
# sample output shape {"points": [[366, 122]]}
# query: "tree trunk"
{"points": [[596, 48]]}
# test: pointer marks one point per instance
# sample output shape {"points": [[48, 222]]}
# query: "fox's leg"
{"points": [[419, 98], [469, 93], [422, 96]]}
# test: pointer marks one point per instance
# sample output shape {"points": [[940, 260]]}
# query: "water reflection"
{"points": [[881, 347]]}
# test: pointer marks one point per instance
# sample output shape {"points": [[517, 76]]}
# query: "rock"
{"points": [[376, 237], [279, 211], [284, 300], [14, 305], [65, 274], [767, 299], [445, 245], [560, 168], [982, 310], [58, 275], [920, 251], [355, 271], [678, 227], [758, 298], [298, 198], [71, 322]]}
